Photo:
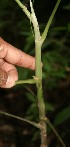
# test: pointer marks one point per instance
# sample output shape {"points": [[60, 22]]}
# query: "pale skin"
{"points": [[11, 56]]}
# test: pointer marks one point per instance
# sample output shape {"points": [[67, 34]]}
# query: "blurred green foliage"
{"points": [[62, 116], [15, 28]]}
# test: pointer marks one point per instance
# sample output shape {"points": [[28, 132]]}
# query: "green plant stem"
{"points": [[41, 107], [22, 119], [24, 8], [38, 70], [41, 104], [44, 35], [38, 44], [55, 132], [29, 81], [38, 77]]}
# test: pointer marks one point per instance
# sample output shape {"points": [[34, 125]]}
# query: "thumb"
{"points": [[10, 82], [7, 80]]}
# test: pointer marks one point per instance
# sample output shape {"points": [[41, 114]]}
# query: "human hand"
{"points": [[10, 56]]}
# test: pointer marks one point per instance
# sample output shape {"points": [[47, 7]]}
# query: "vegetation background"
{"points": [[15, 28]]}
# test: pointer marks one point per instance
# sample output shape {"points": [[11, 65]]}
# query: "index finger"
{"points": [[15, 56]]}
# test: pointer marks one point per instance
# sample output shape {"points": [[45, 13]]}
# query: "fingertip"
{"points": [[8, 78], [10, 82]]}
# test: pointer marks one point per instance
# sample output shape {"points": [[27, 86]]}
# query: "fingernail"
{"points": [[3, 77], [10, 82]]}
